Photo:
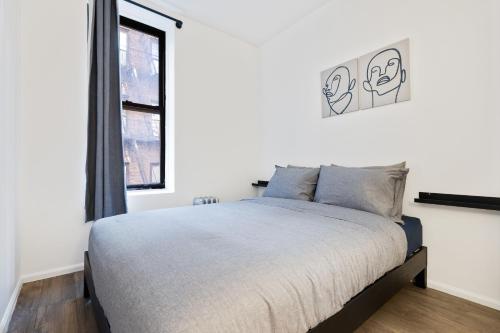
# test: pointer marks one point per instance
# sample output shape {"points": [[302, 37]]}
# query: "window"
{"points": [[142, 70]]}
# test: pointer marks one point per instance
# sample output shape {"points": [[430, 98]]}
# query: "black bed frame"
{"points": [[352, 315]]}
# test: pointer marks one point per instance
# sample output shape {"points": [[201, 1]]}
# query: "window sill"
{"points": [[140, 193]]}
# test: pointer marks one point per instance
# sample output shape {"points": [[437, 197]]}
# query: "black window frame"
{"points": [[151, 109]]}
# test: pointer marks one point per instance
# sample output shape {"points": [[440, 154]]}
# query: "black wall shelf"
{"points": [[467, 201], [260, 183]]}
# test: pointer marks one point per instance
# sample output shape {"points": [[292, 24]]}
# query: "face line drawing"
{"points": [[385, 78], [389, 60], [337, 89]]}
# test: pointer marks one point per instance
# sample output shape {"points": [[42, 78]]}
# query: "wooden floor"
{"points": [[57, 305]]}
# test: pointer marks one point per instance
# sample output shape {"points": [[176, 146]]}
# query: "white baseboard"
{"points": [[470, 296], [7, 315], [51, 273]]}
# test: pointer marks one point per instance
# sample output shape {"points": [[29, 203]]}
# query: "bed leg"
{"points": [[421, 279], [86, 293], [86, 267]]}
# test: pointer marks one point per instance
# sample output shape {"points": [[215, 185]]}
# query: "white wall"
{"points": [[51, 134], [8, 55], [448, 132], [216, 90]]}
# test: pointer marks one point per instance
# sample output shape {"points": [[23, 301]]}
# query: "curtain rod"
{"points": [[178, 23]]}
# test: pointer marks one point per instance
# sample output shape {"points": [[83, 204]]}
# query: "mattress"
{"points": [[413, 233], [260, 265]]}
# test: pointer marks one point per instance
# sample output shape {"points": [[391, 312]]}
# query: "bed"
{"points": [[258, 265]]}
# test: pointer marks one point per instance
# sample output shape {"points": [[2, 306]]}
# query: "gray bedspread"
{"points": [[259, 265]]}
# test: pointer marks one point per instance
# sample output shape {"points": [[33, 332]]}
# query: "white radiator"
{"points": [[205, 201]]}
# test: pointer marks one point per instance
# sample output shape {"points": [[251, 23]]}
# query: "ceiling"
{"points": [[254, 21]]}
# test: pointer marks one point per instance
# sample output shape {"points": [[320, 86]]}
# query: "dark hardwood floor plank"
{"points": [[28, 302], [57, 306]]}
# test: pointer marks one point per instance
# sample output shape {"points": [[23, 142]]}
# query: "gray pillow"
{"points": [[399, 188], [293, 183], [368, 189]]}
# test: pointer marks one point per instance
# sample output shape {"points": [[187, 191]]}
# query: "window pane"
{"points": [[141, 139], [139, 69], [123, 47], [155, 173]]}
